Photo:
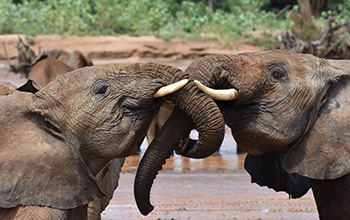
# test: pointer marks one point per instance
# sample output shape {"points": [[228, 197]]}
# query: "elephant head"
{"points": [[51, 63], [288, 103], [6, 88], [55, 141], [76, 59]]}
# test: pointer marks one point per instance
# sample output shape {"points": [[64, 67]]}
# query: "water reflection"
{"points": [[225, 159]]}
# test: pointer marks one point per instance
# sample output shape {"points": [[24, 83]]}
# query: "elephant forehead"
{"points": [[300, 67], [85, 77], [277, 56]]}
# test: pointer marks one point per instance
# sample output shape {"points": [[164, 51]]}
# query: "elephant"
{"points": [[158, 122], [76, 58], [44, 69], [50, 63], [108, 176], [290, 112], [56, 140], [6, 88], [27, 60]]}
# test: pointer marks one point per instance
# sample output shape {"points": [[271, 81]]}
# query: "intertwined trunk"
{"points": [[194, 110]]}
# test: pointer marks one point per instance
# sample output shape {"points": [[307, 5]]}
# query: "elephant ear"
{"points": [[267, 170], [29, 86], [77, 59], [324, 153], [38, 168]]}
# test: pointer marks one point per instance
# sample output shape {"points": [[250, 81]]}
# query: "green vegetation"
{"points": [[162, 18]]}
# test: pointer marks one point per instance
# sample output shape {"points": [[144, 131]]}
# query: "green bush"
{"points": [[84, 17], [163, 18], [132, 17]]}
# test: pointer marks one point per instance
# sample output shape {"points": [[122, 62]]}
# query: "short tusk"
{"points": [[218, 94], [166, 90]]}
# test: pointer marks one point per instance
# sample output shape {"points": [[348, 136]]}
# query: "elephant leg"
{"points": [[42, 213], [94, 210], [108, 177], [332, 197], [240, 150], [77, 213], [152, 131], [157, 123]]}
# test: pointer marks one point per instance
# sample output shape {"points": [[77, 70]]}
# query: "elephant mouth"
{"points": [[185, 145]]}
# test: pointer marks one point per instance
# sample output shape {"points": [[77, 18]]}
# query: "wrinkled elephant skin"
{"points": [[293, 108], [61, 136], [45, 68], [6, 88]]}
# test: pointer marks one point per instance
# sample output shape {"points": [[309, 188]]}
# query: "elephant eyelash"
{"points": [[278, 73], [103, 89], [100, 89]]}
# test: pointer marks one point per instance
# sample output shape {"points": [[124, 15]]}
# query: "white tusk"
{"points": [[218, 94], [166, 90]]}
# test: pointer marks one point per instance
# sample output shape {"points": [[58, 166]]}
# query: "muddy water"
{"points": [[225, 159], [216, 187], [6, 76]]}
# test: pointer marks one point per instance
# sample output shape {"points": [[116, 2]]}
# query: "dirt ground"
{"points": [[213, 188]]}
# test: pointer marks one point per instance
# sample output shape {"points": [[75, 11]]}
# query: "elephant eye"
{"points": [[101, 88], [278, 73]]}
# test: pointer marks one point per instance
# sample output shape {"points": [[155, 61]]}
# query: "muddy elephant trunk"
{"points": [[194, 110]]}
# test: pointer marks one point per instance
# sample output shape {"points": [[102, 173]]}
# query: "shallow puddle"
{"points": [[225, 159]]}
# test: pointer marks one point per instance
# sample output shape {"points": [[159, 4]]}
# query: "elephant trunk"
{"points": [[206, 117], [194, 110], [211, 70], [200, 109], [160, 149]]}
